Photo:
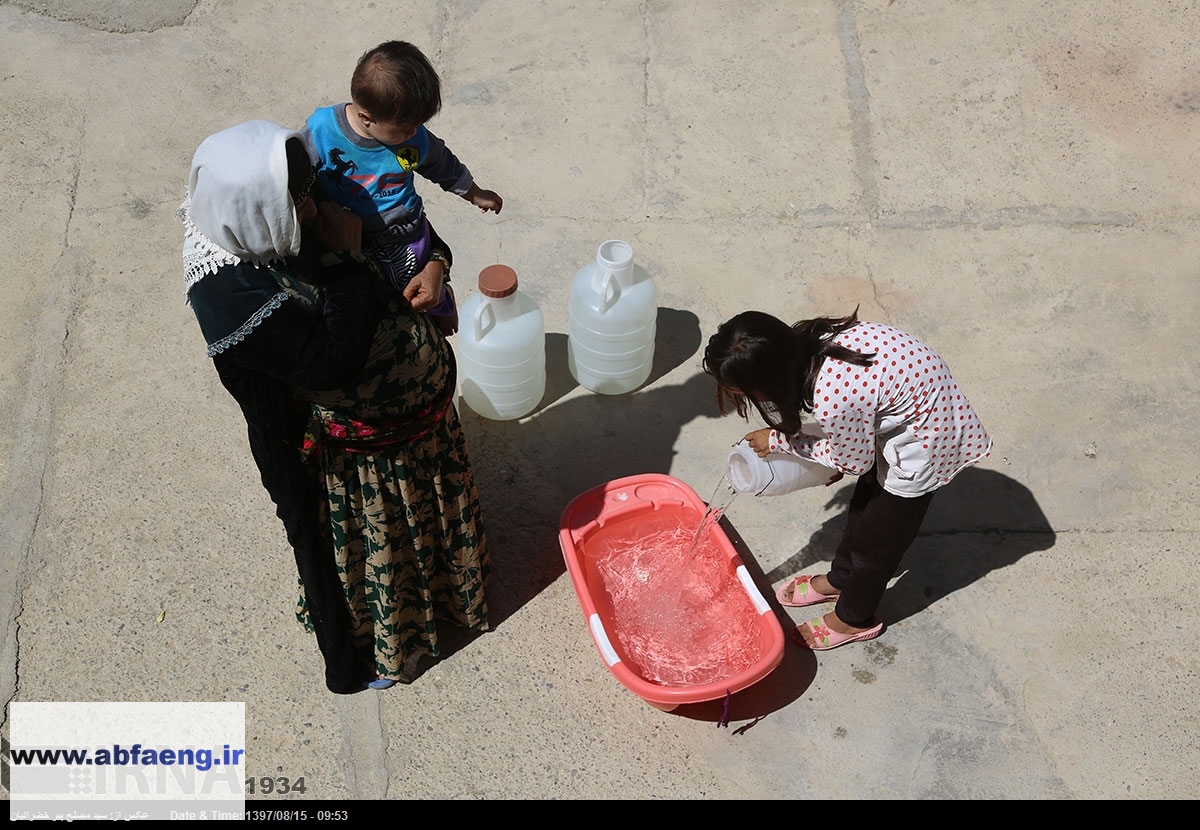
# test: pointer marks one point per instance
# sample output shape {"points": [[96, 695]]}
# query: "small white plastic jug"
{"points": [[774, 475], [501, 348], [611, 320]]}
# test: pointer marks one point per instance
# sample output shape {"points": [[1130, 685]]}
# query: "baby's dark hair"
{"points": [[759, 359], [396, 84]]}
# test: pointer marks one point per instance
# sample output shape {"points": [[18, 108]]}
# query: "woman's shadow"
{"points": [[998, 519]]}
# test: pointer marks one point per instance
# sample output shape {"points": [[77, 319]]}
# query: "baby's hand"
{"points": [[485, 200], [760, 441]]}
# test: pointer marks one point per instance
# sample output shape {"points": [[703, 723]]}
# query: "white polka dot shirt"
{"points": [[905, 411]]}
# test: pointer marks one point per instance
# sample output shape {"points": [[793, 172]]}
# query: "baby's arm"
{"points": [[440, 165], [485, 200]]}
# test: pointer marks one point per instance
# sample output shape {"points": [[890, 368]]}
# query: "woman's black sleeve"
{"points": [[323, 346]]}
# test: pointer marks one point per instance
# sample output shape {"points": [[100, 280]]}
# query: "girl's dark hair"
{"points": [[396, 84], [759, 359]]}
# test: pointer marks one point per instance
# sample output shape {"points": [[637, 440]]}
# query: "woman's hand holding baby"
{"points": [[337, 229], [424, 291]]}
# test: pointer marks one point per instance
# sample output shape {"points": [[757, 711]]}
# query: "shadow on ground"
{"points": [[528, 471], [790, 679], [997, 519]]}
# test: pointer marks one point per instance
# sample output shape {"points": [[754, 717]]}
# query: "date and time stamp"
{"points": [[266, 786], [257, 814]]}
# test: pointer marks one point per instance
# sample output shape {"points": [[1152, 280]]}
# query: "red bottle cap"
{"points": [[497, 281]]}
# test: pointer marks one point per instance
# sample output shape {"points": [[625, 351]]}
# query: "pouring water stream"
{"points": [[722, 498]]}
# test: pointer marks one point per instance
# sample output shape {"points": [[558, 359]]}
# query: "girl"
{"points": [[891, 413]]}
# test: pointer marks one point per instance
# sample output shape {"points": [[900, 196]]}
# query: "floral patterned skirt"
{"points": [[402, 505]]}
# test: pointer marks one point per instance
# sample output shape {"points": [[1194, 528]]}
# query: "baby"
{"points": [[369, 149]]}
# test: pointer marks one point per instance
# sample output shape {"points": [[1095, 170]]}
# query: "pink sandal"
{"points": [[828, 639], [803, 591]]}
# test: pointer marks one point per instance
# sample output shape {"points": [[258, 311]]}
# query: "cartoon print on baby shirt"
{"points": [[408, 157], [341, 166]]}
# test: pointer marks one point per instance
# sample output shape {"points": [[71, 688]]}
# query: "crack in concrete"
{"points": [[875, 292], [647, 42], [933, 218], [860, 125], [119, 17], [1010, 217], [29, 463], [364, 745], [30, 457]]}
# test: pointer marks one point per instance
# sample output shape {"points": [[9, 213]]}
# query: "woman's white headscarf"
{"points": [[238, 206]]}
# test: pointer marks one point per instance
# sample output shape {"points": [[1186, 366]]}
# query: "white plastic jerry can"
{"points": [[611, 320], [773, 475], [501, 348]]}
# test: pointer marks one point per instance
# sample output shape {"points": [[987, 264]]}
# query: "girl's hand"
{"points": [[760, 441]]}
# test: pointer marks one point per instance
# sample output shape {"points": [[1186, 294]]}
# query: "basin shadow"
{"points": [[782, 687]]}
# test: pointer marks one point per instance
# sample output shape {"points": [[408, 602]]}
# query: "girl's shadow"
{"points": [[998, 519]]}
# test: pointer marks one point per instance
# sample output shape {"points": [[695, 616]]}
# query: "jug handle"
{"points": [[483, 306], [608, 283]]}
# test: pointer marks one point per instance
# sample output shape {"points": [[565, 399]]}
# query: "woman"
{"points": [[891, 413], [347, 395]]}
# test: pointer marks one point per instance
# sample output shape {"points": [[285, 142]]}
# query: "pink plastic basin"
{"points": [[652, 500]]}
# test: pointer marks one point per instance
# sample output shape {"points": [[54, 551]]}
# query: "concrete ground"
{"points": [[1015, 183]]}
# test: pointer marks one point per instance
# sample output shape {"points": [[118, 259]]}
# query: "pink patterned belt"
{"points": [[343, 433]]}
